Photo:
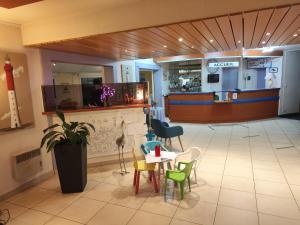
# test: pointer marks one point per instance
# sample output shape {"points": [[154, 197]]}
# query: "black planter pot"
{"points": [[71, 161]]}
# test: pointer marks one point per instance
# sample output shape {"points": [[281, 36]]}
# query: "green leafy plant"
{"points": [[66, 133]]}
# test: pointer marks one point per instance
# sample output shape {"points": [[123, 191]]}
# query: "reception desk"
{"points": [[201, 107]]}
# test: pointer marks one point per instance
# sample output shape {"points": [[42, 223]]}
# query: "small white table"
{"points": [[165, 156], [158, 113]]}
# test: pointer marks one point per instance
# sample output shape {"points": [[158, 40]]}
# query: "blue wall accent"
{"points": [[179, 102], [254, 100]]}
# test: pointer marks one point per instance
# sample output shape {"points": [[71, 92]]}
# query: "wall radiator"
{"points": [[27, 164]]}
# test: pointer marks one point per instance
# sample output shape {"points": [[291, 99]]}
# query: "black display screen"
{"points": [[213, 78]]}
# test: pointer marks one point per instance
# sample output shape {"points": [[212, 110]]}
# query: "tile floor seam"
{"points": [[297, 204], [254, 184], [227, 150], [206, 149], [96, 213]]}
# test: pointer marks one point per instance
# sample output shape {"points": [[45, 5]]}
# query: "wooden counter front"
{"points": [[201, 108]]}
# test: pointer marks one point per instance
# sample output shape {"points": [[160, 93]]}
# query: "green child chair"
{"points": [[180, 176]]}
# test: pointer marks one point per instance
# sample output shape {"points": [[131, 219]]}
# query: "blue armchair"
{"points": [[163, 130]]}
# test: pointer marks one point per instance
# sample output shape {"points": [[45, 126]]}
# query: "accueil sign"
{"points": [[223, 64]]}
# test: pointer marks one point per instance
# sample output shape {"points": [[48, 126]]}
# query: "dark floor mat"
{"points": [[294, 116]]}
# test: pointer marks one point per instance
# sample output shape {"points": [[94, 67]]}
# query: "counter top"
{"points": [[234, 91], [99, 108]]}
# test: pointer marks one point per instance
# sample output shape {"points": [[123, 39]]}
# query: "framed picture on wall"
{"points": [[126, 72], [15, 96]]}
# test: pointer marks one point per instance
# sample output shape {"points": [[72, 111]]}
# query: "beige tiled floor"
{"points": [[242, 180]]}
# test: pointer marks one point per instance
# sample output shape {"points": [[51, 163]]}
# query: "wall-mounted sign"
{"points": [[224, 64], [258, 63], [273, 69]]}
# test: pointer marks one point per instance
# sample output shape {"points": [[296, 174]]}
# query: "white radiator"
{"points": [[27, 164]]}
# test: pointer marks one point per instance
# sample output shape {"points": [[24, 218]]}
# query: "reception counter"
{"points": [[201, 107]]}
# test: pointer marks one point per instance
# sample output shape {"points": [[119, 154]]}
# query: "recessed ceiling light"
{"points": [[180, 39], [192, 46], [126, 50], [54, 64], [268, 34], [263, 42], [239, 42], [165, 46], [211, 40], [295, 35]]}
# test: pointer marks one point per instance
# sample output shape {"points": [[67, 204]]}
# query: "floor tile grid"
{"points": [[283, 171], [204, 150], [52, 216], [251, 155], [228, 144]]}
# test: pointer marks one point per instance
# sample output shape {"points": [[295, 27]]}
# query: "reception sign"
{"points": [[223, 64]]}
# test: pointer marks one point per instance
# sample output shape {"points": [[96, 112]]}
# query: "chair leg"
{"points": [[180, 143], [181, 190], [154, 181], [189, 182], [150, 176], [134, 178], [170, 141], [165, 187], [137, 182], [195, 173], [165, 141]]}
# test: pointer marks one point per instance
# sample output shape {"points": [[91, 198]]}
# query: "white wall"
{"points": [[290, 92], [275, 77], [208, 87], [28, 138]]}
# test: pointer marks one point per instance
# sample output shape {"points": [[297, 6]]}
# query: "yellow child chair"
{"points": [[141, 165]]}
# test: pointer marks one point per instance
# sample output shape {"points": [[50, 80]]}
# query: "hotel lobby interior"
{"points": [[146, 112]]}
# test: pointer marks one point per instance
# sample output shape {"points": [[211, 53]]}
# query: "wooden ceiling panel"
{"points": [[289, 18], [225, 26], [237, 28], [188, 27], [249, 26], [169, 38], [187, 37], [263, 19], [275, 20], [9, 4], [202, 29], [289, 32], [215, 30], [273, 26]]}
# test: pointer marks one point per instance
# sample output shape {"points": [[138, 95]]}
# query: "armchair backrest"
{"points": [[157, 127]]}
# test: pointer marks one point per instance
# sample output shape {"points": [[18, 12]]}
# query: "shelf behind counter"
{"points": [[200, 107]]}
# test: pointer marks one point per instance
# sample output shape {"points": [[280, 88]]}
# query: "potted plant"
{"points": [[69, 141]]}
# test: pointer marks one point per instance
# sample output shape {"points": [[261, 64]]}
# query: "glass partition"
{"points": [[87, 95]]}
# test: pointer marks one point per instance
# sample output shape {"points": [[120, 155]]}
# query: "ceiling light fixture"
{"points": [[268, 34], [263, 42], [295, 35], [165, 46], [192, 46], [239, 42], [126, 50], [180, 39], [268, 49], [211, 40], [54, 64]]}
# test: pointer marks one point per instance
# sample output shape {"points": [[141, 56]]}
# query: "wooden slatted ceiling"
{"points": [[255, 29], [16, 3]]}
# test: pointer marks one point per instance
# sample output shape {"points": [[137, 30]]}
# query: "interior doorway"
{"points": [[147, 76], [230, 78]]}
